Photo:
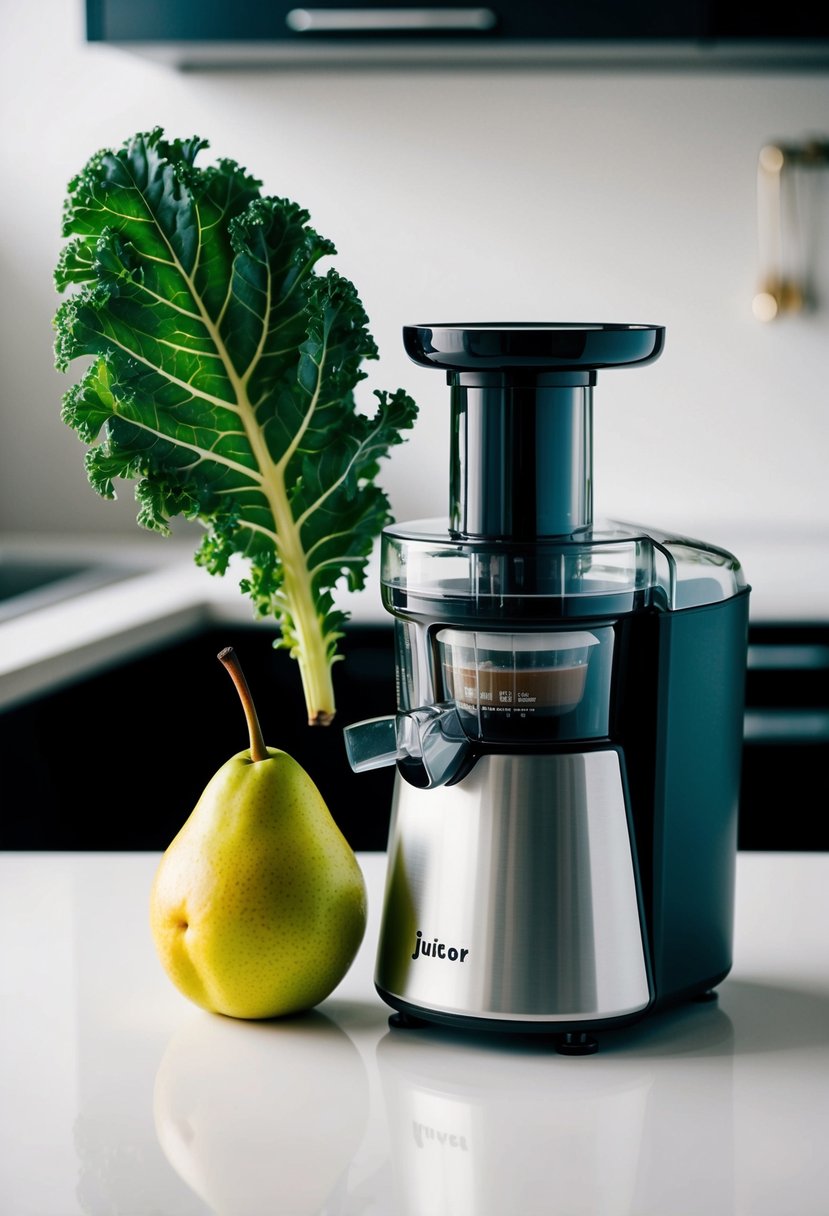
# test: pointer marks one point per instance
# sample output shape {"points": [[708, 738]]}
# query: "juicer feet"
{"points": [[406, 1021], [576, 1043], [570, 1043]]}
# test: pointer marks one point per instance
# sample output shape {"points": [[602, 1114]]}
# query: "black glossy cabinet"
{"points": [[785, 780], [118, 760], [203, 33]]}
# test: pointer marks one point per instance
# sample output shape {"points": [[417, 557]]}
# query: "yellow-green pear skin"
{"points": [[258, 906]]}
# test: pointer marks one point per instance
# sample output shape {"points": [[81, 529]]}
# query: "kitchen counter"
{"points": [[122, 1097], [160, 596], [166, 597]]}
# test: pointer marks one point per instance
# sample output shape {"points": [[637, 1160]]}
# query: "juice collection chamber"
{"points": [[569, 721]]}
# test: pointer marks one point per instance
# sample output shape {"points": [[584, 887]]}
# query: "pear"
{"points": [[258, 905]]}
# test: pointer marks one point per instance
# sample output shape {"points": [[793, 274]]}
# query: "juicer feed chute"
{"points": [[569, 712], [521, 428]]}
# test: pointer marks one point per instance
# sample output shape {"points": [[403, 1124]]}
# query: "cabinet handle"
{"points": [[786, 726], [786, 284], [388, 20], [788, 657]]}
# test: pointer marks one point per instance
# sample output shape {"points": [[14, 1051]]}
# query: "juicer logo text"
{"points": [[437, 949]]}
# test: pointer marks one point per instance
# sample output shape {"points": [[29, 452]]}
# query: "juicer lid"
{"points": [[544, 346], [537, 642]]}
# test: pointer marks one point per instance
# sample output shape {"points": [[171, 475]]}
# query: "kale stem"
{"points": [[258, 750]]}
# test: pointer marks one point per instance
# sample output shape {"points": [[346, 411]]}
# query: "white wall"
{"points": [[472, 195]]}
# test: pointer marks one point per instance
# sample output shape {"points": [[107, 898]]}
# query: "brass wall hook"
{"points": [[785, 227]]}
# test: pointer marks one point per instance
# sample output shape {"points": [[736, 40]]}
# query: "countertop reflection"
{"points": [[121, 1097]]}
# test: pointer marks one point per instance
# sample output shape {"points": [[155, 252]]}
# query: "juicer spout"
{"points": [[427, 744]]}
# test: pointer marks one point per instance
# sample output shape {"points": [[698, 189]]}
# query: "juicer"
{"points": [[569, 720]]}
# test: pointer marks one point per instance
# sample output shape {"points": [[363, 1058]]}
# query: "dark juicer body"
{"points": [[568, 733]]}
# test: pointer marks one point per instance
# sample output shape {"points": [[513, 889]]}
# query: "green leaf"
{"points": [[221, 374]]}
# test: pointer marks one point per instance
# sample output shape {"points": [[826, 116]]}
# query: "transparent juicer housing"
{"points": [[520, 636]]}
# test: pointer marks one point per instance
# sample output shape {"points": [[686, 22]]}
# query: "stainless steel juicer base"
{"points": [[511, 895]]}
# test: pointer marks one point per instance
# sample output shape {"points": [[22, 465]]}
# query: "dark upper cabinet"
{"points": [[204, 33]]}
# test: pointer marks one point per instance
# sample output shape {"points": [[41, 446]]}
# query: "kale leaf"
{"points": [[221, 381]]}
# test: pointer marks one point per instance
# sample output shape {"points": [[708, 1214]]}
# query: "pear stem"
{"points": [[258, 750]]}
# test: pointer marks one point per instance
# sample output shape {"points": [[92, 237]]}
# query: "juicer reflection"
{"points": [[568, 734]]}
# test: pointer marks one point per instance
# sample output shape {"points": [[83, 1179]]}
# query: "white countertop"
{"points": [[121, 1097], [171, 598]]}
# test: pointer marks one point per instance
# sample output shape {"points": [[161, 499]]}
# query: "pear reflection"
{"points": [[528, 1131], [262, 1116]]}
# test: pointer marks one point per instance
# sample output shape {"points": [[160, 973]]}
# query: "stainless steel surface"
{"points": [[519, 881], [363, 20]]}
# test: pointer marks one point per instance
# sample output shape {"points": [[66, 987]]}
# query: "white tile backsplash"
{"points": [[511, 194]]}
